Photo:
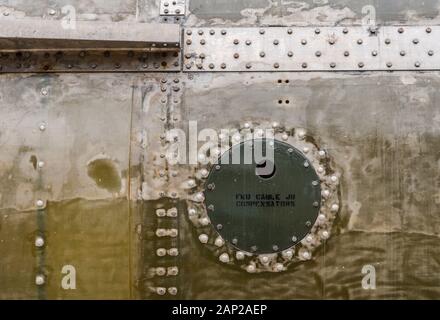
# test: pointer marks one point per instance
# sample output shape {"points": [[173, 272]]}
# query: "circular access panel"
{"points": [[263, 206]]}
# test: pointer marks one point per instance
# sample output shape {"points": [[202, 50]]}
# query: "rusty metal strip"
{"points": [[312, 49], [89, 61]]}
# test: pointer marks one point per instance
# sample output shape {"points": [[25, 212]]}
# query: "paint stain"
{"points": [[105, 174], [33, 160]]}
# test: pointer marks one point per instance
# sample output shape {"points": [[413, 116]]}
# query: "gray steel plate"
{"points": [[263, 214], [312, 49]]}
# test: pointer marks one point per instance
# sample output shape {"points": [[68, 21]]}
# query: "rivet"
{"points": [[325, 193], [236, 55], [288, 254], [248, 66], [290, 150], [248, 42], [321, 154], [188, 42], [39, 280], [304, 65], [334, 208], [161, 291], [401, 30], [306, 150], [202, 56], [161, 252], [316, 204], [44, 92], [374, 53], [387, 41], [318, 53], [234, 241], [430, 52], [332, 65], [224, 257], [188, 32], [325, 234], [301, 134], [276, 65], [223, 66], [39, 203], [285, 136], [192, 211], [315, 183], [290, 54], [202, 42], [211, 66], [346, 53], [236, 41], [332, 41], [42, 126], [160, 271], [219, 242], [389, 64], [173, 252], [303, 42], [361, 65], [321, 217], [211, 32], [417, 64], [254, 248], [294, 239], [262, 54], [402, 53], [308, 224], [223, 32], [276, 42], [360, 41], [306, 255], [200, 32], [317, 31], [416, 41], [262, 31], [250, 268], [275, 248], [219, 226], [40, 164], [309, 239], [239, 255], [264, 259], [334, 179], [345, 31], [39, 242], [428, 30], [289, 31]]}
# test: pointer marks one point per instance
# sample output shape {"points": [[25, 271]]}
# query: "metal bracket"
{"points": [[391, 48], [172, 7], [50, 34]]}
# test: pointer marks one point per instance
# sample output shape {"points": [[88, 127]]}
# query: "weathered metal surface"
{"points": [[311, 49], [92, 148]]}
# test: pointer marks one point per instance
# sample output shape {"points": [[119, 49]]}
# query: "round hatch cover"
{"points": [[263, 206]]}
